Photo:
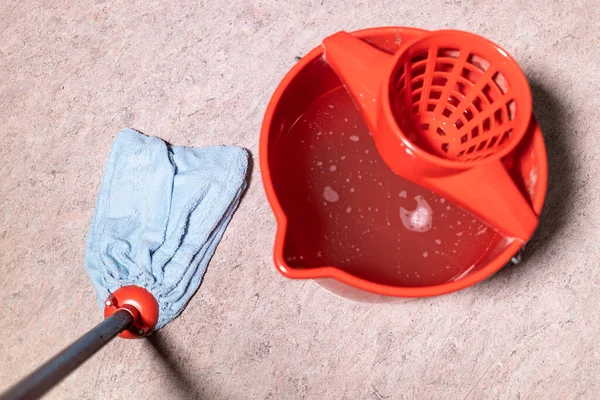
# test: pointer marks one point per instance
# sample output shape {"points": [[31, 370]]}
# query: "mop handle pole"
{"points": [[54, 370]]}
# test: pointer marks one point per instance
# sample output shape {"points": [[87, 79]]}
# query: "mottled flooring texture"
{"points": [[201, 73]]}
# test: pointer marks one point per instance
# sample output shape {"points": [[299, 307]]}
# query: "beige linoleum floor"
{"points": [[201, 73]]}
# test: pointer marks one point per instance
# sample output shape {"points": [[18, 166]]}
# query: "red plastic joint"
{"points": [[140, 303]]}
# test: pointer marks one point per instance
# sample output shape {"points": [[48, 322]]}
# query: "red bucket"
{"points": [[347, 220]]}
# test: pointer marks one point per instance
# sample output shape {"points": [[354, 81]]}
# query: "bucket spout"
{"points": [[361, 68]]}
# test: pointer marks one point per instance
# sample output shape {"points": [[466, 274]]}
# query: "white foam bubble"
{"points": [[330, 195], [481, 231], [438, 241], [403, 194], [349, 210], [425, 254], [533, 178], [420, 219], [332, 168], [319, 163], [351, 190], [354, 138]]}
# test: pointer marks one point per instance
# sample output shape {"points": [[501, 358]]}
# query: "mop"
{"points": [[160, 214]]}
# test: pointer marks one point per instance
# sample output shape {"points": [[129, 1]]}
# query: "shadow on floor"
{"points": [[186, 387], [555, 122]]}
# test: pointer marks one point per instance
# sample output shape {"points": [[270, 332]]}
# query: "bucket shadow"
{"points": [[554, 121], [185, 387]]}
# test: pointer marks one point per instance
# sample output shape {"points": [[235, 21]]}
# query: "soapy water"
{"points": [[330, 195], [360, 216], [420, 219]]}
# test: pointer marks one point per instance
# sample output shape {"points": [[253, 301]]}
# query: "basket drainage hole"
{"points": [[419, 57], [461, 88], [498, 116], [487, 91], [505, 137], [439, 81], [417, 85], [477, 104], [501, 82], [440, 132], [486, 125], [435, 95], [468, 114], [512, 108], [418, 71], [478, 62], [448, 52], [443, 67]]}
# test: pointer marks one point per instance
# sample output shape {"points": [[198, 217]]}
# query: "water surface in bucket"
{"points": [[347, 209]]}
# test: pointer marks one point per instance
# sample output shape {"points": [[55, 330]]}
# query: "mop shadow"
{"points": [[186, 386], [249, 172], [554, 121]]}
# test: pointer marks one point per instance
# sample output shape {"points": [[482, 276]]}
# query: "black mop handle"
{"points": [[56, 369]]}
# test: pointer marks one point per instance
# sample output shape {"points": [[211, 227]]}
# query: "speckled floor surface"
{"points": [[200, 73]]}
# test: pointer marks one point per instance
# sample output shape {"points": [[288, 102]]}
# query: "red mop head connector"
{"points": [[140, 303]]}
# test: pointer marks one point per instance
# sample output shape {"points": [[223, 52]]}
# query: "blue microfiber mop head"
{"points": [[160, 214]]}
